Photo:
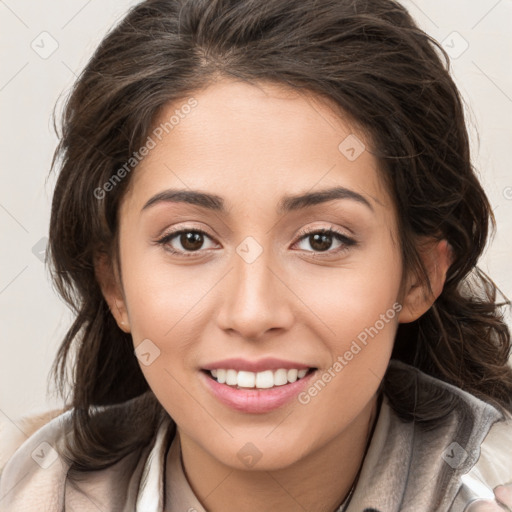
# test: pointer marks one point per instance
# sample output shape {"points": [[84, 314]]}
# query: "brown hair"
{"points": [[370, 59]]}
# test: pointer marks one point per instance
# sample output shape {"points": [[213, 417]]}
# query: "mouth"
{"points": [[257, 392], [266, 379]]}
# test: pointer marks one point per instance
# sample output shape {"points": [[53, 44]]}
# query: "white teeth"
{"points": [[281, 377], [231, 377], [261, 380], [221, 375], [292, 375], [245, 379], [264, 380]]}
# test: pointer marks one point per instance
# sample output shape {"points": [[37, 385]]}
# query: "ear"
{"points": [[437, 256], [112, 290]]}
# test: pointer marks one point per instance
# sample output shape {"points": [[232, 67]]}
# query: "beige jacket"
{"points": [[407, 468]]}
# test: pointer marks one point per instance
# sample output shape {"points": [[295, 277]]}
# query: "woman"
{"points": [[268, 224]]}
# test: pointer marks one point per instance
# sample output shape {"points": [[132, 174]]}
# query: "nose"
{"points": [[256, 299]]}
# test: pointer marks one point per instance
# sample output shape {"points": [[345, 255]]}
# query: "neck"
{"points": [[320, 481]]}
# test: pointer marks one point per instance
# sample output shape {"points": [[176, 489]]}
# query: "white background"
{"points": [[33, 319]]}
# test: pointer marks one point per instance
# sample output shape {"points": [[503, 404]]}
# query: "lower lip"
{"points": [[256, 401]]}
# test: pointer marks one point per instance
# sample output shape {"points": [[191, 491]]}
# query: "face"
{"points": [[258, 279]]}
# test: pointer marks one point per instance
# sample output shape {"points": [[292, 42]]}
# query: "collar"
{"points": [[415, 465], [180, 496], [409, 466], [398, 473]]}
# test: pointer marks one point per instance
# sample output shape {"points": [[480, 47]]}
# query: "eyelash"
{"points": [[344, 239]]}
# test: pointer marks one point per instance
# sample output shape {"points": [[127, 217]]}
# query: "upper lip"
{"points": [[268, 363]]}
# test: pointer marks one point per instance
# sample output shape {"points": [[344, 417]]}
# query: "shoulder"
{"points": [[32, 472], [464, 441], [430, 401], [38, 475], [435, 405], [13, 433], [494, 465]]}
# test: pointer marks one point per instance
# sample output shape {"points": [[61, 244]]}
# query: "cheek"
{"points": [[160, 295], [361, 307], [165, 308], [361, 295], [362, 310], [166, 305]]}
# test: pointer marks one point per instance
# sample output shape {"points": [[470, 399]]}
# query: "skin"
{"points": [[252, 145], [502, 501]]}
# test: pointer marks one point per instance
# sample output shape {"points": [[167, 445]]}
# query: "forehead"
{"points": [[255, 143]]}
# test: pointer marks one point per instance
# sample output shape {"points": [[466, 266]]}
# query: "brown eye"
{"points": [[185, 242], [191, 240], [320, 241]]}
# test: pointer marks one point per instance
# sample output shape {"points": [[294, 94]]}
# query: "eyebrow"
{"points": [[287, 204]]}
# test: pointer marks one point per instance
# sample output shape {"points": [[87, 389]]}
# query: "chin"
{"points": [[260, 455]]}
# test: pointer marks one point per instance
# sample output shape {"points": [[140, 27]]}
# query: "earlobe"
{"points": [[121, 315], [437, 256], [111, 290]]}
